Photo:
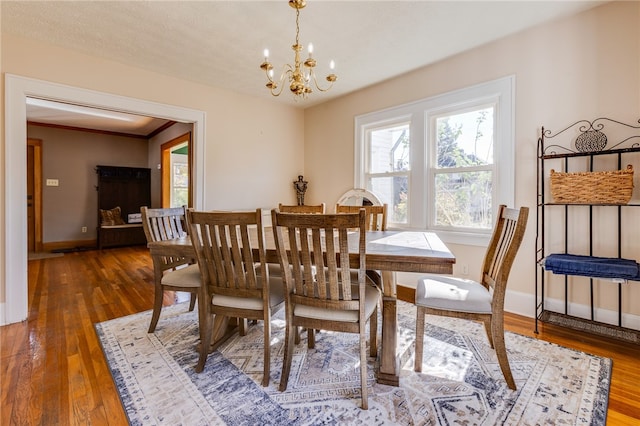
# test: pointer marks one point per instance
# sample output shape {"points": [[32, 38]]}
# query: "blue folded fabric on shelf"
{"points": [[591, 266]]}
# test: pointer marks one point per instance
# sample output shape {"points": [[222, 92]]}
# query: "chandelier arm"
{"points": [[275, 91], [315, 82], [286, 71]]}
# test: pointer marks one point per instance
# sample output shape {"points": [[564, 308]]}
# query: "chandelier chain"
{"points": [[297, 26]]}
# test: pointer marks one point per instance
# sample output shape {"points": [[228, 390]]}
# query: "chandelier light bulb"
{"points": [[332, 65], [310, 48], [266, 54]]}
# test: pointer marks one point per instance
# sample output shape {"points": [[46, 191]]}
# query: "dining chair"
{"points": [[478, 301], [170, 273], [236, 281], [306, 208], [329, 301], [296, 208], [376, 215]]}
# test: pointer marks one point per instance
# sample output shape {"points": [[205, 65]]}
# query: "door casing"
{"points": [[165, 155], [34, 194]]}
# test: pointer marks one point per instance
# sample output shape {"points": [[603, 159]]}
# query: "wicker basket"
{"points": [[609, 187]]}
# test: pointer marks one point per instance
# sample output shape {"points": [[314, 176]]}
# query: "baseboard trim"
{"points": [[524, 304], [66, 245], [592, 327], [520, 303]]}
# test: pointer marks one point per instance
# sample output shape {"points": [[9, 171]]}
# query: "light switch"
{"points": [[52, 182]]}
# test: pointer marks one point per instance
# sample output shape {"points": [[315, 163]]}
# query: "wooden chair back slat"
{"points": [[163, 224], [223, 243], [501, 252], [319, 243], [376, 215]]}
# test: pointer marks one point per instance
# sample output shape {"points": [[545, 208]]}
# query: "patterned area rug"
{"points": [[461, 382]]}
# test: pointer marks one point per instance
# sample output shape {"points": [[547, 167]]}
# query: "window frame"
{"points": [[499, 92]]}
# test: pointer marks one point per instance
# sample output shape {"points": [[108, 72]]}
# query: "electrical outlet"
{"points": [[84, 229], [465, 270]]}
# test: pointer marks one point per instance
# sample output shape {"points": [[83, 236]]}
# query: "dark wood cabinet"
{"points": [[128, 188]]}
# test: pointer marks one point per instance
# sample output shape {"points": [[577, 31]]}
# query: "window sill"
{"points": [[464, 238], [452, 237]]}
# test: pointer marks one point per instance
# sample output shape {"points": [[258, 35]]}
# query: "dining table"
{"points": [[387, 253]]}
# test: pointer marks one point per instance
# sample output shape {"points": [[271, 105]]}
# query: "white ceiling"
{"points": [[220, 43], [81, 117]]}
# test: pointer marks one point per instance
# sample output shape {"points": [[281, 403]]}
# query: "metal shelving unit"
{"points": [[581, 154]]}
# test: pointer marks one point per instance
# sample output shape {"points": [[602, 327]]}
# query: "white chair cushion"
{"points": [[452, 294], [276, 296], [371, 296], [183, 277]]}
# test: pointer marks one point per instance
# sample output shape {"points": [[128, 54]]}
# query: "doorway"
{"points": [[176, 168], [34, 195], [15, 306]]}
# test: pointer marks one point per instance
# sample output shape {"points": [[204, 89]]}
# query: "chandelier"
{"points": [[300, 74]]}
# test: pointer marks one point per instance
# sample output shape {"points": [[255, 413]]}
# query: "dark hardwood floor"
{"points": [[53, 371]]}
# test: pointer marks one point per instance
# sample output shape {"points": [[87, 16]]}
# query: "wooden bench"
{"points": [[121, 235]]}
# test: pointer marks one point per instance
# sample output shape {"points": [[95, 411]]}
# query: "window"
{"points": [[179, 181], [388, 163], [443, 163], [461, 168]]}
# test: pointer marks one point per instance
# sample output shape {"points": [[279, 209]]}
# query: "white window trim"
{"points": [[500, 91]]}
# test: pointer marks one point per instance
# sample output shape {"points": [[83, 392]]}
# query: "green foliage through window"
{"points": [[463, 173]]}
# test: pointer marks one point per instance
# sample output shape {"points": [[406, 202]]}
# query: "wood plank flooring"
{"points": [[53, 371]]}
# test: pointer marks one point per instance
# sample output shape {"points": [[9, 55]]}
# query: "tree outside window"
{"points": [[463, 173], [180, 187]]}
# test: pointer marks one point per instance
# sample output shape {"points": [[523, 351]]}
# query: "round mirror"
{"points": [[359, 197]]}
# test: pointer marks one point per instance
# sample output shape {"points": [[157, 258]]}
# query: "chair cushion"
{"points": [[371, 295], [276, 296], [183, 277], [452, 294]]}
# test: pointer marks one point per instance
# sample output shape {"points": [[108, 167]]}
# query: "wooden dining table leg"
{"points": [[388, 374]]}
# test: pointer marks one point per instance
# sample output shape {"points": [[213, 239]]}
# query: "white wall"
{"points": [[583, 67]]}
